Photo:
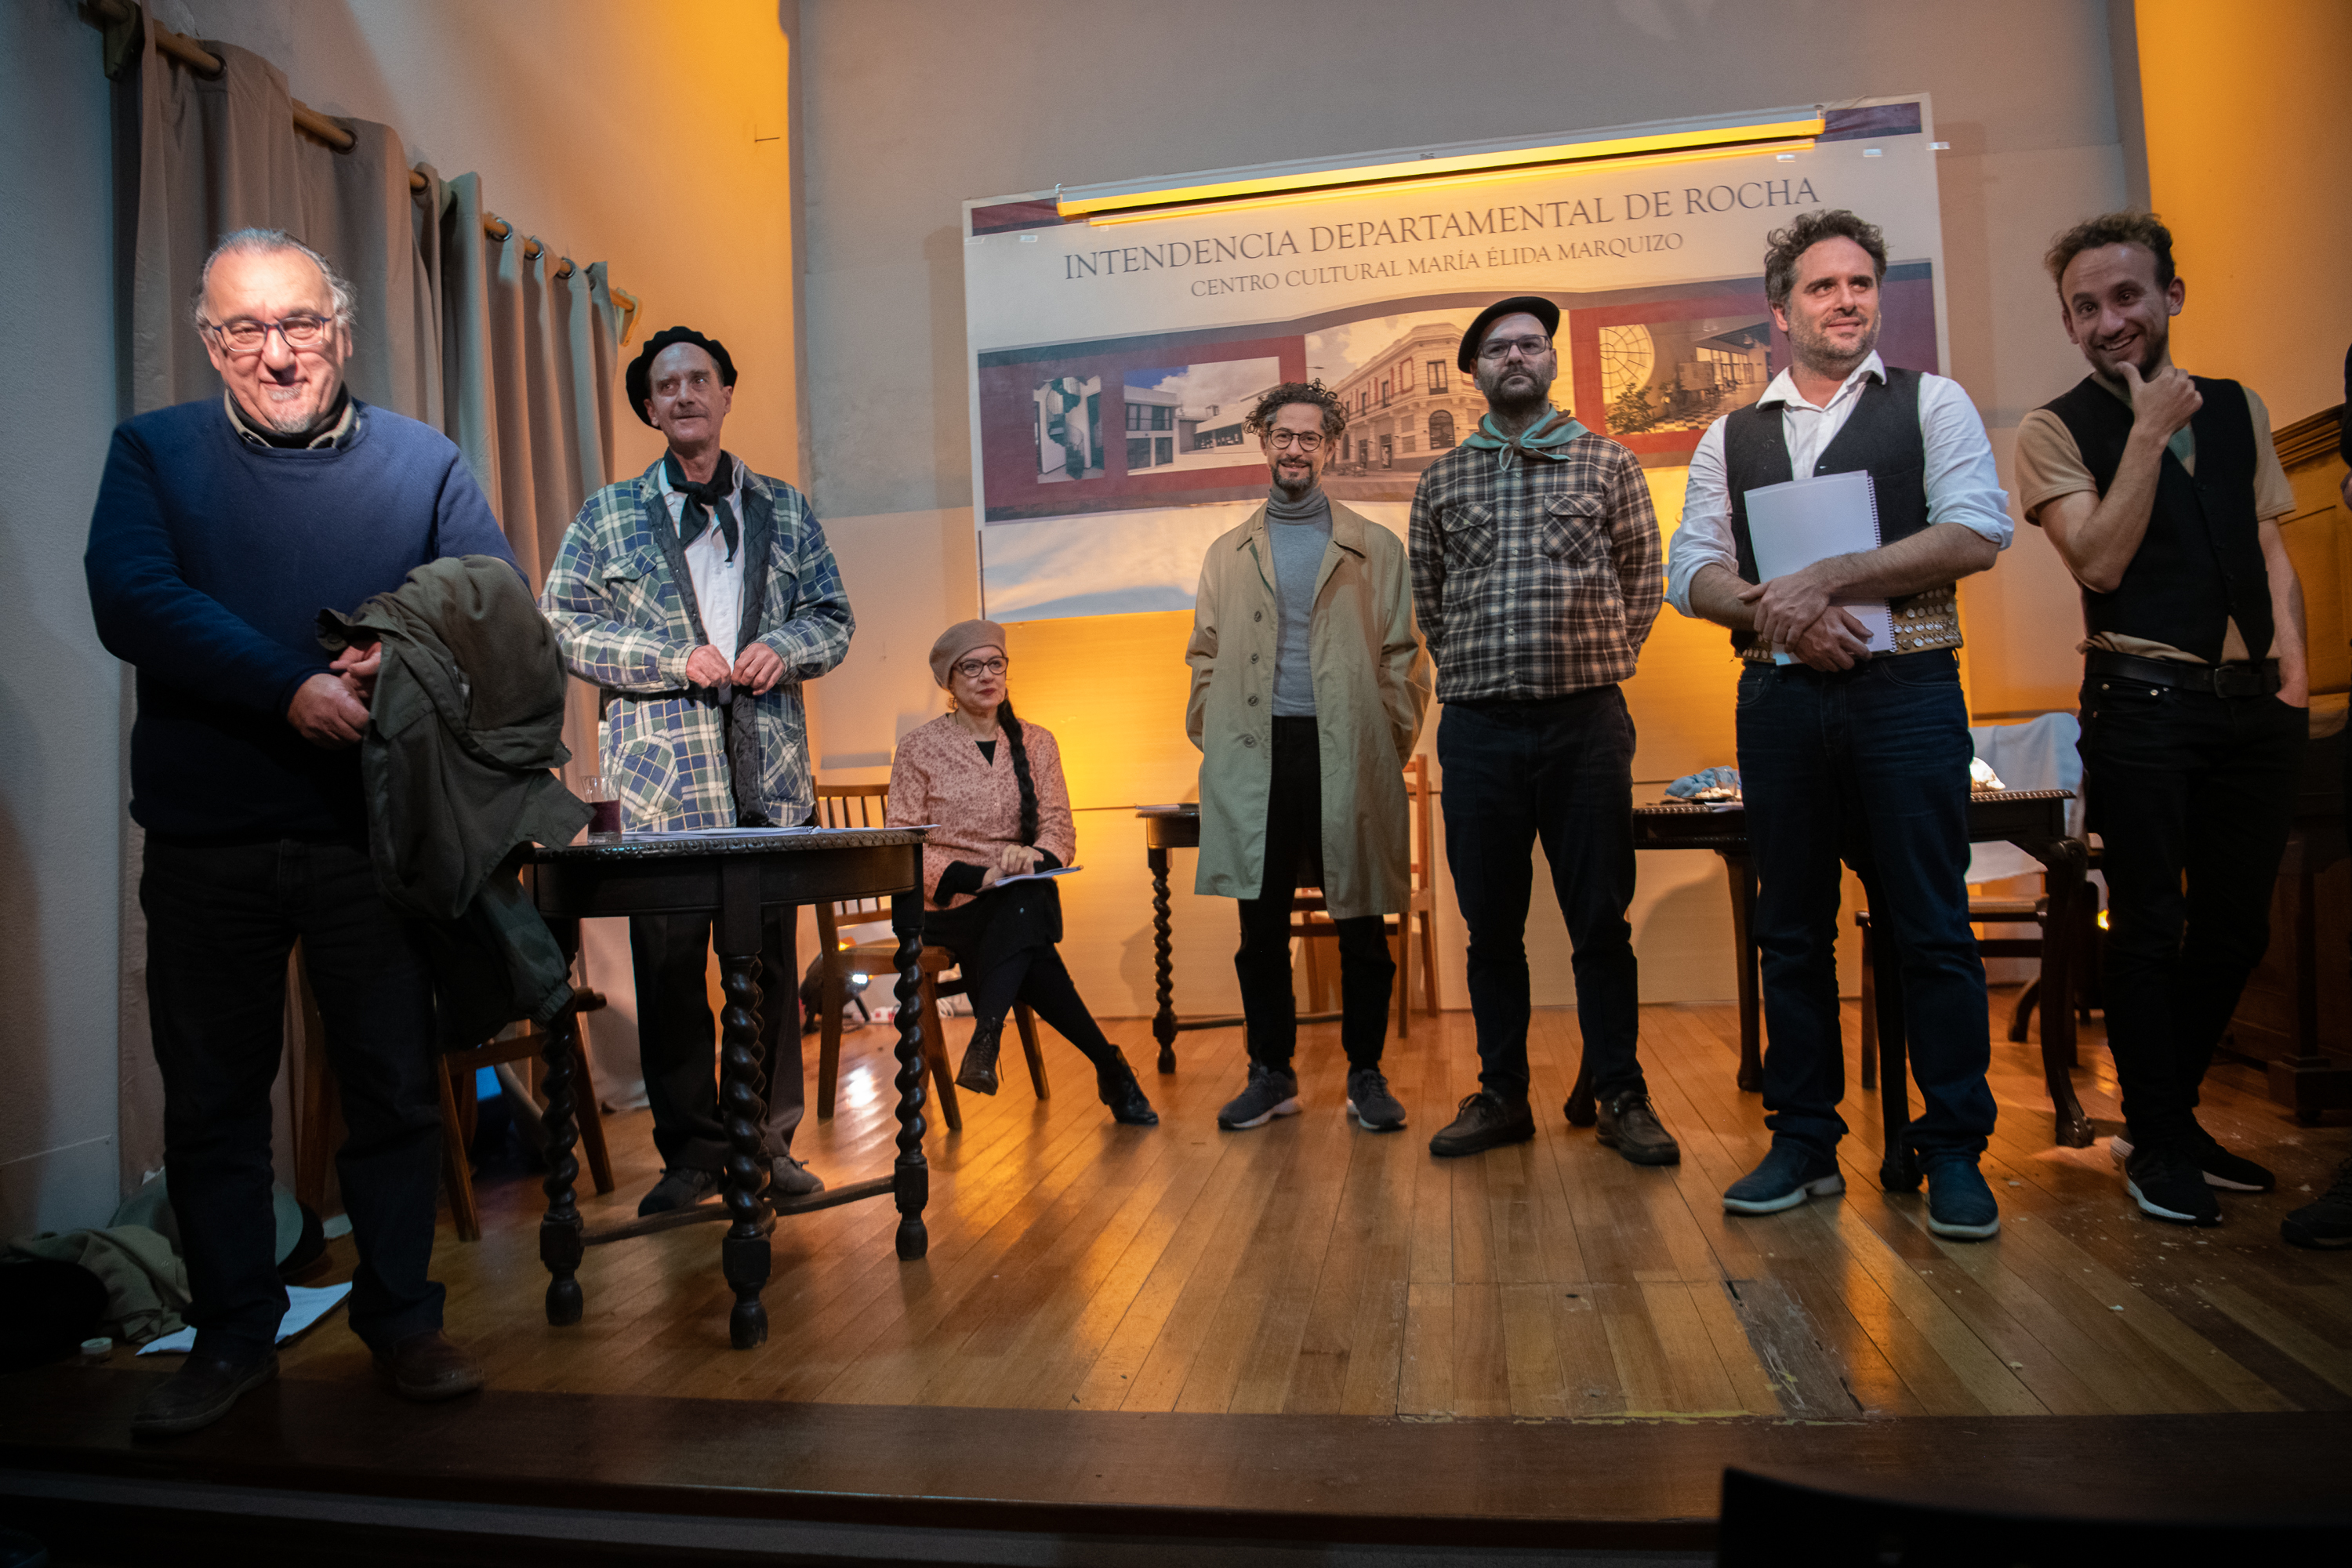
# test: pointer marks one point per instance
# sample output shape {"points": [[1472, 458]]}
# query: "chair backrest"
{"points": [[851, 806], [1423, 852]]}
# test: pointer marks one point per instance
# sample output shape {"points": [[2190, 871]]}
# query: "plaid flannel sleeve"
{"points": [[1641, 564], [817, 626], [1426, 555], [616, 644]]}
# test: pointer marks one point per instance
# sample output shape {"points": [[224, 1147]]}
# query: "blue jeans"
{"points": [[1869, 765], [1562, 771]]}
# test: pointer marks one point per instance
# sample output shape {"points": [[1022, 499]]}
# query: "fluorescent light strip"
{"points": [[1497, 176], [1718, 139]]}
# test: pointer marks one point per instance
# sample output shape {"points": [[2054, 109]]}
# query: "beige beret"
{"points": [[960, 639]]}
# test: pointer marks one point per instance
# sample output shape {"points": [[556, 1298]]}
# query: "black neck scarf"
{"points": [[704, 501]]}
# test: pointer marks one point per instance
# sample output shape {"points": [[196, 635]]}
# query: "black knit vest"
{"points": [[1881, 436], [2200, 561]]}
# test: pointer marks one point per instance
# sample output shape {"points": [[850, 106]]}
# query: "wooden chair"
{"points": [[318, 1113], [455, 1082], [868, 806], [1311, 921]]}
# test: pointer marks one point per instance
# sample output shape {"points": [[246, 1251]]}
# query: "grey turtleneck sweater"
{"points": [[1299, 531]]}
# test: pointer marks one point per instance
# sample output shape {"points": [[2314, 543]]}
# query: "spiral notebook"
{"points": [[1794, 524]]}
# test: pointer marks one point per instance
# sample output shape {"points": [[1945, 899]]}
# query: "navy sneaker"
{"points": [[1959, 1204], [1270, 1092], [1370, 1099], [1788, 1175]]}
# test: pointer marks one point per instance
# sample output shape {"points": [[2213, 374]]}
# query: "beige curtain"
{"points": [[529, 359], [517, 364]]}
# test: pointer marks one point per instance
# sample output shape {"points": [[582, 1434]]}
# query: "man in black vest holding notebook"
{"points": [[1848, 750], [2162, 493]]}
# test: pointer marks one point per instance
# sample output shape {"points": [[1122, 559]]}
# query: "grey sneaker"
{"points": [[1368, 1097], [1629, 1124], [681, 1186], [1271, 1092], [788, 1178]]}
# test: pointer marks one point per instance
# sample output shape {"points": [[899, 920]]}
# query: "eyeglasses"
{"points": [[245, 336], [1305, 440], [973, 668], [1499, 349]]}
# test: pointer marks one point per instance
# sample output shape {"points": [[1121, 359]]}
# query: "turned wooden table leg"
{"points": [[1742, 873], [911, 1177], [2067, 859], [560, 1231], [1163, 1021], [744, 1254], [1898, 1168]]}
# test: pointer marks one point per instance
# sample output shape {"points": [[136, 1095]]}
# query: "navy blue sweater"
{"points": [[209, 561]]}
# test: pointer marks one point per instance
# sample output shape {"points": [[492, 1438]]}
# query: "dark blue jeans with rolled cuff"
{"points": [[2193, 796], [1869, 766], [1558, 771], [221, 920]]}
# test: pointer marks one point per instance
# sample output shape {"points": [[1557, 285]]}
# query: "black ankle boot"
{"points": [[1114, 1082], [978, 1073]]}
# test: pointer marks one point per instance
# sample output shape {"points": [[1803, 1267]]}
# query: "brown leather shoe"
{"points": [[426, 1367]]}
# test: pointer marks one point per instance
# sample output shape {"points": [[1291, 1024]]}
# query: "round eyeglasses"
{"points": [[973, 668], [1305, 440]]}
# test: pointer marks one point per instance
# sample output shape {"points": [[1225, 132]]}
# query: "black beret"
{"points": [[1534, 305], [641, 369]]}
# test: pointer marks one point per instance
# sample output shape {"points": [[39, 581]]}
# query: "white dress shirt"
{"points": [[718, 579], [1963, 485]]}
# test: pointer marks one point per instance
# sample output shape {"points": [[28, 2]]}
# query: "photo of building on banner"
{"points": [[1115, 362]]}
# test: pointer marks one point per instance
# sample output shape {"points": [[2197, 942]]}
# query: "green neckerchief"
{"points": [[1547, 437]]}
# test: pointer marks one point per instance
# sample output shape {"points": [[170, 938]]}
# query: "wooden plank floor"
{"points": [[1309, 1268]]}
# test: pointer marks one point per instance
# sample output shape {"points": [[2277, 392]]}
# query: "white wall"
{"points": [[60, 695], [913, 106]]}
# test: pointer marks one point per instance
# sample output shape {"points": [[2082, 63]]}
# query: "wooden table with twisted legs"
{"points": [[732, 876]]}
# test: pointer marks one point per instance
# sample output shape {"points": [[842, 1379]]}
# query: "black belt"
{"points": [[2248, 678]]}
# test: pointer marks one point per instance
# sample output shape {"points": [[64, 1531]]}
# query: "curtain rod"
{"points": [[205, 63]]}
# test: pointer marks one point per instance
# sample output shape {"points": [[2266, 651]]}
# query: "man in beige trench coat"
{"points": [[1308, 683]]}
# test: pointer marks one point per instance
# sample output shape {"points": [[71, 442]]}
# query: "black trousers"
{"points": [[2193, 796], [1294, 840], [678, 1039], [220, 922], [1558, 770], [1037, 976]]}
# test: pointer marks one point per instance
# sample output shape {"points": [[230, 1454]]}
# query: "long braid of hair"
{"points": [[1012, 728]]}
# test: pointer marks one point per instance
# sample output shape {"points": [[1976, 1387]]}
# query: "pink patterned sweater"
{"points": [[939, 776]]}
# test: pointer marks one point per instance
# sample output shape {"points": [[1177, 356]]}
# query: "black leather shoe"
{"points": [[1116, 1083], [1630, 1124], [202, 1392], [426, 1367], [978, 1073], [1483, 1121]]}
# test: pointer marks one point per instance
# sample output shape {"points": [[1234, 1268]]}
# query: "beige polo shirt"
{"points": [[2050, 465]]}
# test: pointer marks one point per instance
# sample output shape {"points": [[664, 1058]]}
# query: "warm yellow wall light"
{"points": [[1098, 200], [1483, 177]]}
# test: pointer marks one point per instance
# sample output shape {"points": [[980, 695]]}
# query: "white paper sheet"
{"points": [[303, 1307], [1792, 525], [1037, 876]]}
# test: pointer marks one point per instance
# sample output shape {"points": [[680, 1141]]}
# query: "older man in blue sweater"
{"points": [[223, 528]]}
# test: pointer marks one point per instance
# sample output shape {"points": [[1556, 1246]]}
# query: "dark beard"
{"points": [[1814, 349], [1514, 405]]}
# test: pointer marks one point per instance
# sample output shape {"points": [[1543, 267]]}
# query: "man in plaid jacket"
{"points": [[1535, 576], [698, 596]]}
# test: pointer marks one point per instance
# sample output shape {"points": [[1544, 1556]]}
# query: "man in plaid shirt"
{"points": [[699, 596], [1536, 575]]}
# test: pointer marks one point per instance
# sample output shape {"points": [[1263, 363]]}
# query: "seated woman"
{"points": [[992, 787]]}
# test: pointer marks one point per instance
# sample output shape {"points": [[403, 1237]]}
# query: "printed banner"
{"points": [[1113, 361]]}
